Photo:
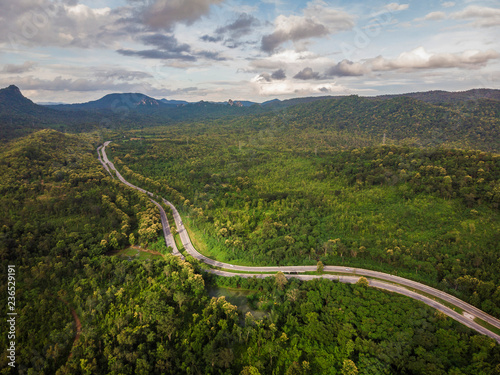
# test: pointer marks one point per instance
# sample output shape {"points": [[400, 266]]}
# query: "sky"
{"points": [[80, 50]]}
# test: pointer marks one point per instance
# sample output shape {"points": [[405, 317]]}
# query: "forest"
{"points": [[429, 214], [292, 186]]}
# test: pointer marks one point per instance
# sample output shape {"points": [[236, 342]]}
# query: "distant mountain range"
{"points": [[19, 115], [120, 101], [133, 101], [439, 96]]}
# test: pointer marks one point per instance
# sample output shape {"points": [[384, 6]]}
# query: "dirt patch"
{"points": [[78, 324], [469, 316], [135, 247]]}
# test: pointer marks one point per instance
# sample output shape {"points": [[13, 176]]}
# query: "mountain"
{"points": [[402, 119], [115, 102], [241, 103], [20, 116], [275, 100], [276, 104], [13, 102], [469, 118], [174, 103], [51, 103], [439, 96]]}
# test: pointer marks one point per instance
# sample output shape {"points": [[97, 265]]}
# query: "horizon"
{"points": [[213, 50], [244, 100]]}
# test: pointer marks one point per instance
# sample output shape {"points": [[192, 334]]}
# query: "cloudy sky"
{"points": [[79, 50]]}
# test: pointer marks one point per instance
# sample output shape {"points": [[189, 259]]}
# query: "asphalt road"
{"points": [[167, 234], [384, 282]]}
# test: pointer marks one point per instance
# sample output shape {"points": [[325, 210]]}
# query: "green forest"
{"points": [[429, 214], [399, 186]]}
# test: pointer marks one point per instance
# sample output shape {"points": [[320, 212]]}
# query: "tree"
{"points": [[249, 370], [320, 267], [363, 281], [349, 368], [281, 280], [131, 239]]}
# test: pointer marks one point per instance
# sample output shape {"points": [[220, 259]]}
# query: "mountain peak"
{"points": [[12, 90], [12, 94]]}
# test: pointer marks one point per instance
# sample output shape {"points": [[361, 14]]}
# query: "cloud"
{"points": [[43, 22], [165, 42], [278, 75], [448, 4], [168, 55], [120, 74], [435, 16], [69, 84], [317, 21], [287, 87], [211, 39], [89, 85], [419, 58], [292, 28], [211, 55], [307, 74], [168, 48], [27, 66], [287, 59], [347, 68], [481, 16], [70, 24], [243, 25], [163, 14], [232, 33], [395, 7], [157, 54]]}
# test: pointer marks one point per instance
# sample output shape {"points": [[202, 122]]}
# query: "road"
{"points": [[169, 238], [384, 282]]}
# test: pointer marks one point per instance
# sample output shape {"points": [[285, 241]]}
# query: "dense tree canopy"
{"points": [[288, 185]]}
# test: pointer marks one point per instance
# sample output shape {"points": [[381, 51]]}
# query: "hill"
{"points": [[116, 102], [468, 119], [20, 116], [13, 103], [439, 96], [401, 120]]}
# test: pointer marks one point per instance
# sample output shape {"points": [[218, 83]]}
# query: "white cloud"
{"points": [[84, 85], [317, 21], [448, 4], [481, 16], [289, 87], [347, 68], [27, 66], [419, 58], [395, 7], [43, 22], [435, 16], [285, 58]]}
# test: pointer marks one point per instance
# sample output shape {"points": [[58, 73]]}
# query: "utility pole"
{"points": [[383, 140]]}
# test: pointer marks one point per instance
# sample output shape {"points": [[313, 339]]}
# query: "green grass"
{"points": [[201, 243], [488, 326], [136, 254]]}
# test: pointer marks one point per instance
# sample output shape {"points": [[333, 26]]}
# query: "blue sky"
{"points": [[79, 50]]}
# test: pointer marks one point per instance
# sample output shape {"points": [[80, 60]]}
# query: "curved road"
{"points": [[188, 246]]}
